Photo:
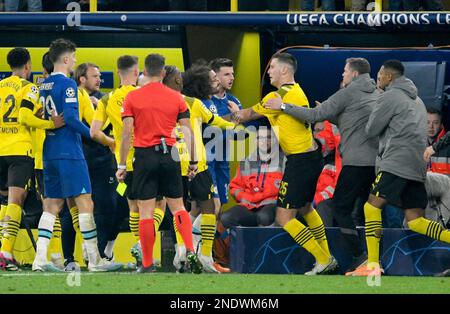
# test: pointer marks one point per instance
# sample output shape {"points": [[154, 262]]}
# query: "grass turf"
{"points": [[170, 283]]}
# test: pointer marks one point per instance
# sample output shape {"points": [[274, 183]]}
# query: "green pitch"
{"points": [[171, 283]]}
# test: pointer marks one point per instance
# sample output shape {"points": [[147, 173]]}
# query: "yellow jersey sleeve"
{"points": [[294, 136], [222, 123], [27, 118], [198, 109], [100, 111], [259, 107], [85, 106], [30, 92], [209, 118], [29, 106]]}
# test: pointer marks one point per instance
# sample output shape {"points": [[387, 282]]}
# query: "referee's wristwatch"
{"points": [[283, 107], [122, 167]]}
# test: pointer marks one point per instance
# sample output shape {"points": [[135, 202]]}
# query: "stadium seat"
{"points": [[429, 78]]}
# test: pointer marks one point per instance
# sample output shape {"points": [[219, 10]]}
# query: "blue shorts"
{"points": [[220, 174], [66, 178]]}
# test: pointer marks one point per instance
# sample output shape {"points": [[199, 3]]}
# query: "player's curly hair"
{"points": [[196, 82], [18, 57]]}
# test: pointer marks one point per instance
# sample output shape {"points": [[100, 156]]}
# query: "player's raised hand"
{"points": [[274, 103], [429, 151], [39, 113], [232, 106], [94, 100], [192, 170]]}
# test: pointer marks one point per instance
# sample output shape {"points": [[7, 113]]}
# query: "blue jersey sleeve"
{"points": [[71, 112]]}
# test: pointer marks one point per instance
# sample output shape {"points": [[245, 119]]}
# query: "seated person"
{"points": [[440, 161], [255, 189], [438, 191], [255, 186]]}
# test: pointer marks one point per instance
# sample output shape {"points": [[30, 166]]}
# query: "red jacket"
{"points": [[256, 183], [440, 161], [330, 139]]}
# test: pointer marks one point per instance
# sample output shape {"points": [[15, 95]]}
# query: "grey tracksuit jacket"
{"points": [[400, 121], [349, 108]]}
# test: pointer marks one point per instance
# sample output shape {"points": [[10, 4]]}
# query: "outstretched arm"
{"points": [[245, 115]]}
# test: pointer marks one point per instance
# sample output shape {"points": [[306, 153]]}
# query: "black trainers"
{"points": [[146, 270], [194, 262]]}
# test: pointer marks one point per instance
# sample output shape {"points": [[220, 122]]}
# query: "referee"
{"points": [[151, 114]]}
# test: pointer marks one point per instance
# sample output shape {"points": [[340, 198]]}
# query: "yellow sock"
{"points": [[177, 233], [158, 216], [373, 232], [2, 216], [75, 221], [13, 217], [301, 234], [317, 228], [208, 228], [55, 245], [134, 225], [429, 228]]}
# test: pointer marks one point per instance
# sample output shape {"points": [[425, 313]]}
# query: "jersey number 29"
{"points": [[49, 105]]}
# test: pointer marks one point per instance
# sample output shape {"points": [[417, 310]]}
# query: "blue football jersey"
{"points": [[219, 106], [59, 93]]}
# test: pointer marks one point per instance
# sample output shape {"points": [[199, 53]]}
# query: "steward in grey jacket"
{"points": [[349, 108], [400, 120]]}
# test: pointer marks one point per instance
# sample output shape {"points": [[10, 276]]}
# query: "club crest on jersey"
{"points": [[70, 92]]}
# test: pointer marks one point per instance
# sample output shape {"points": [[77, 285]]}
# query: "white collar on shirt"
{"points": [[55, 73]]}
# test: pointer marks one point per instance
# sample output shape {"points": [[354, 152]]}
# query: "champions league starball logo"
{"points": [[70, 92]]}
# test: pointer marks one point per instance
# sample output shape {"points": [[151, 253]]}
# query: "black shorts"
{"points": [[16, 171], [156, 173], [399, 191], [129, 191], [129, 182], [299, 181], [201, 188], [39, 182]]}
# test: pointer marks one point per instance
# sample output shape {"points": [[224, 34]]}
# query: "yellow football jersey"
{"points": [[293, 135], [86, 112], [110, 106], [15, 138], [199, 114]]}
